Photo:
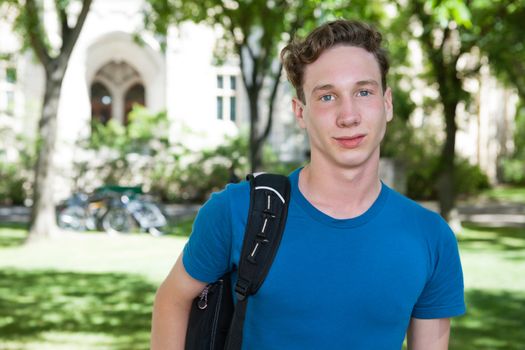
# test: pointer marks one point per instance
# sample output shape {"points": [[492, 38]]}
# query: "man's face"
{"points": [[345, 110]]}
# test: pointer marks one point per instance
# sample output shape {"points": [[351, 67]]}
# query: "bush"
{"points": [[140, 153], [513, 167], [12, 186], [200, 175], [123, 155], [272, 163], [16, 168], [470, 179], [422, 178], [513, 171]]}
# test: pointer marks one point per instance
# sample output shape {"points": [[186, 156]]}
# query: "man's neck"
{"points": [[341, 193]]}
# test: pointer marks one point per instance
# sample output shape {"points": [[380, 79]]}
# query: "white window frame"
{"points": [[226, 93]]}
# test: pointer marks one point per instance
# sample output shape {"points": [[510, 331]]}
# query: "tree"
{"points": [[256, 30], [451, 29], [500, 29], [29, 23], [439, 40]]}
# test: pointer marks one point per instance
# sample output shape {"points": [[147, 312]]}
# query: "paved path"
{"points": [[490, 214], [493, 214]]}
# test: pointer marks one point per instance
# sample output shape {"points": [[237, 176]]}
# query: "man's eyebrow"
{"points": [[359, 83], [322, 88], [367, 82]]}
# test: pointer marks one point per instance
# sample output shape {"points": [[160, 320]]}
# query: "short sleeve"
{"points": [[206, 255], [443, 294]]}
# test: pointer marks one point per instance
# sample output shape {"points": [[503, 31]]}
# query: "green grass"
{"points": [[494, 264], [81, 291], [505, 194], [11, 234], [180, 227], [92, 291], [99, 310]]}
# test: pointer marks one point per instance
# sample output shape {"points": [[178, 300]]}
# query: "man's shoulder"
{"points": [[410, 207], [231, 191], [226, 200]]}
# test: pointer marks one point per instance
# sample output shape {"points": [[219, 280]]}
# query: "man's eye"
{"points": [[363, 93], [327, 98]]}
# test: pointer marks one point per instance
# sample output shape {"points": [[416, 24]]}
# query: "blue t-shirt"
{"points": [[335, 284]]}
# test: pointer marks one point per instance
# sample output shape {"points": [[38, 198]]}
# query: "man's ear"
{"points": [[389, 107], [298, 110]]}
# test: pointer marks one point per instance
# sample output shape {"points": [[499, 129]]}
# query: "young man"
{"points": [[359, 265]]}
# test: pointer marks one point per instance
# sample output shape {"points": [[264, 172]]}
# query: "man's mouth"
{"points": [[350, 141]]}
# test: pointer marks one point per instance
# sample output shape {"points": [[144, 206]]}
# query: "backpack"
{"points": [[215, 322]]}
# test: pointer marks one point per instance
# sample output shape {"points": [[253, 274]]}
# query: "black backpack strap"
{"points": [[269, 198]]}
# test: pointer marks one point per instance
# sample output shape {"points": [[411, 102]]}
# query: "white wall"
{"points": [[192, 86], [107, 36]]}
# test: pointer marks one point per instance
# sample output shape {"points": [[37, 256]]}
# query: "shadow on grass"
{"points": [[180, 227], [509, 239], [119, 306], [115, 305], [506, 194], [494, 320], [12, 234]]}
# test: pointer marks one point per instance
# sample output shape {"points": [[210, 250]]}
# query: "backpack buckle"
{"points": [[241, 289]]}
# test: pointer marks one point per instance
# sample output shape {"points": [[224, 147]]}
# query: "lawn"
{"points": [[84, 291], [505, 194], [494, 265], [92, 291]]}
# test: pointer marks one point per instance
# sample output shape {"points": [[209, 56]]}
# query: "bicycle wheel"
{"points": [[72, 218], [155, 231], [150, 216], [117, 220]]}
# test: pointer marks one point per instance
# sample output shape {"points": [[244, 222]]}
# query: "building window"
{"points": [[220, 107], [117, 86], [10, 75], [227, 97], [7, 87], [233, 108], [134, 96], [10, 101], [101, 102]]}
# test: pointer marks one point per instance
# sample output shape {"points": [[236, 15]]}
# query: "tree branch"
{"points": [[67, 45], [36, 33], [271, 103], [242, 65], [62, 17], [446, 34], [297, 23], [255, 62]]}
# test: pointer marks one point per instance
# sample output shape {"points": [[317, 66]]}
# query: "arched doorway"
{"points": [[119, 84], [134, 95]]}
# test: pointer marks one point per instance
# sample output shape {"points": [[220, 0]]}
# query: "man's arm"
{"points": [[172, 308], [429, 334]]}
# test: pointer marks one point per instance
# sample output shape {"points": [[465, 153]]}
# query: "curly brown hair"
{"points": [[299, 53]]}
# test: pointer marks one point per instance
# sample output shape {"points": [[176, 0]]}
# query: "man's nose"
{"points": [[348, 113]]}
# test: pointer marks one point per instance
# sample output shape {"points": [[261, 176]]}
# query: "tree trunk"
{"points": [[450, 89], [255, 142], [43, 222], [446, 180]]}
